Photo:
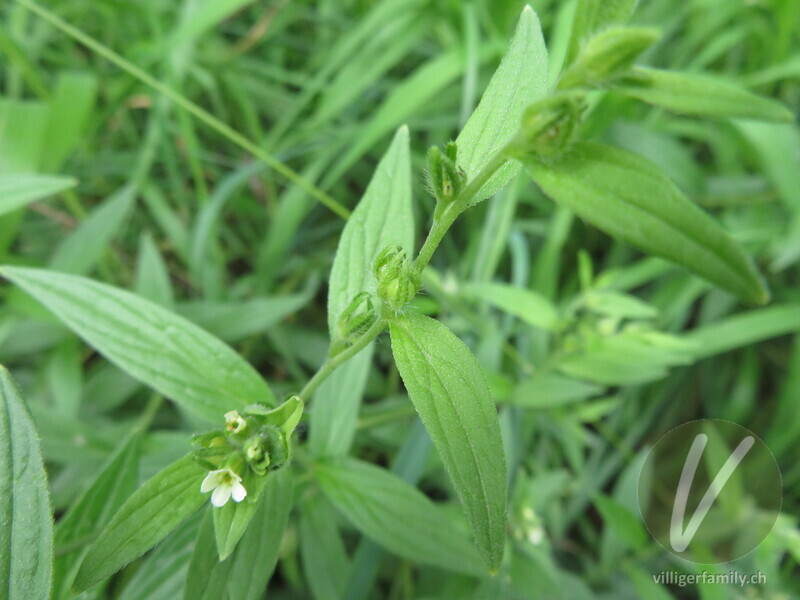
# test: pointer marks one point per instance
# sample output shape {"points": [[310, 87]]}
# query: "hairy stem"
{"points": [[333, 362], [444, 220], [441, 224]]}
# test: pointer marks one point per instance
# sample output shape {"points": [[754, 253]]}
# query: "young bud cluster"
{"points": [[397, 279], [253, 442]]}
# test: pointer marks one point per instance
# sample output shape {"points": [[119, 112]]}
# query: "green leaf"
{"points": [[70, 109], [83, 248], [700, 96], [146, 518], [332, 423], [382, 218], [244, 574], [161, 349], [629, 198], [207, 574], [397, 515], [593, 15], [92, 511], [152, 276], [232, 519], [322, 550], [550, 390], [520, 80], [453, 400], [162, 574], [234, 321], [26, 533], [529, 306], [257, 553], [608, 55], [622, 521], [17, 191], [745, 329]]}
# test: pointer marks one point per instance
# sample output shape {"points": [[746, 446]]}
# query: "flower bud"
{"points": [[549, 126], [234, 422], [396, 278], [357, 318], [256, 455], [607, 55], [445, 179]]}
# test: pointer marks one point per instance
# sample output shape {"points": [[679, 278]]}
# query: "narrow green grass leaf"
{"points": [[451, 395], [529, 306], [700, 96], [745, 329], [84, 247], [162, 575], [382, 218], [397, 515], [26, 521], [17, 191], [627, 525], [70, 109], [152, 276], [322, 550], [146, 518], [520, 80], [550, 390], [631, 199], [92, 511], [161, 349]]}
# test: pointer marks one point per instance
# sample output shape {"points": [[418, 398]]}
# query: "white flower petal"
{"points": [[210, 482], [221, 495], [238, 492]]}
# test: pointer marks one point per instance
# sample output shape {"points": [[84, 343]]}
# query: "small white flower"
{"points": [[234, 422], [226, 484]]}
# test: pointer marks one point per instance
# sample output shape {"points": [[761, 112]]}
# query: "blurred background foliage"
{"points": [[174, 210]]}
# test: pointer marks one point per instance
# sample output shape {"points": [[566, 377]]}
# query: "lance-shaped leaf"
{"points": [[383, 217], [232, 519], [453, 400], [17, 191], [26, 521], [593, 15], [700, 96], [145, 519], [152, 344], [244, 574], [92, 510], [630, 198], [397, 515], [520, 80]]}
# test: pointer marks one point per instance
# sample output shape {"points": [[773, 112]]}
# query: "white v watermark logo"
{"points": [[680, 538]]}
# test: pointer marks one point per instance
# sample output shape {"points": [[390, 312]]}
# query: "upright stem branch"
{"points": [[333, 362], [441, 224]]}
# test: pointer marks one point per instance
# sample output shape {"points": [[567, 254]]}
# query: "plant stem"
{"points": [[443, 222], [186, 104], [332, 363]]}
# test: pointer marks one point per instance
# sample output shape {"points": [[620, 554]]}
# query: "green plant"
{"points": [[524, 121]]}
